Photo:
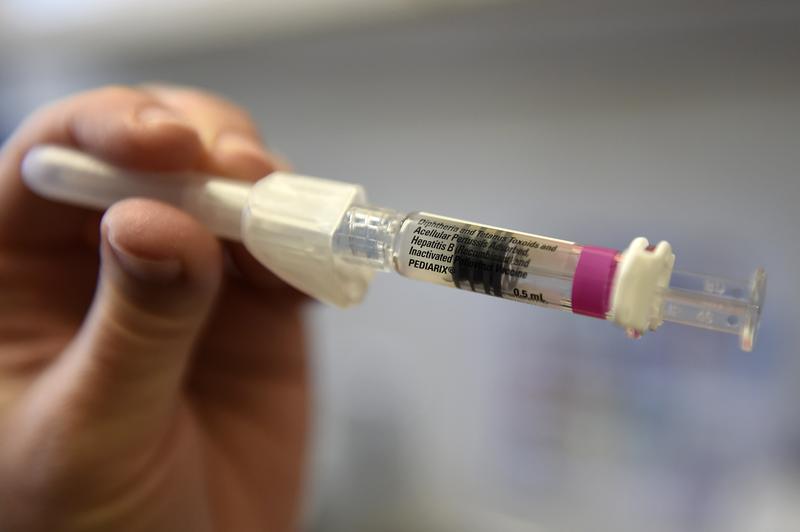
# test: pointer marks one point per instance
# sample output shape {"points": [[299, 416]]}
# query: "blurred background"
{"points": [[589, 120]]}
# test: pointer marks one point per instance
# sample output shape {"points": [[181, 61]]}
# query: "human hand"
{"points": [[148, 390]]}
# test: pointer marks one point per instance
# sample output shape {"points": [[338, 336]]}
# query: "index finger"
{"points": [[122, 125]]}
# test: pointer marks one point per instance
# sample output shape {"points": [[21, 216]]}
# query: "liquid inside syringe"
{"points": [[445, 251]]}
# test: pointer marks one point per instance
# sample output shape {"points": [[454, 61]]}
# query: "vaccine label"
{"points": [[485, 259]]}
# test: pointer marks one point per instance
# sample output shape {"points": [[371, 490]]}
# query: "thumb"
{"points": [[160, 273], [97, 416]]}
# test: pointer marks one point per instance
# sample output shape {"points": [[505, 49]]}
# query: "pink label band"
{"points": [[591, 285]]}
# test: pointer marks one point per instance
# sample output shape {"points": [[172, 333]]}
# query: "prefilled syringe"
{"points": [[324, 238]]}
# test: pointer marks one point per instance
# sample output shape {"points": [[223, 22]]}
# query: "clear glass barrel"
{"points": [[509, 264], [519, 266]]}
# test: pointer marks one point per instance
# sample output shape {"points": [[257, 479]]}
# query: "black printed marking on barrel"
{"points": [[480, 273]]}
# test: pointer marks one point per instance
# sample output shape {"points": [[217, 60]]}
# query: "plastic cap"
{"points": [[288, 224], [70, 176]]}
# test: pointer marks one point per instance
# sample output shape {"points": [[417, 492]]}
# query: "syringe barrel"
{"points": [[499, 262], [513, 265]]}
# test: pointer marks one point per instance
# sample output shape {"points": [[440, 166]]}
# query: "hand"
{"points": [[148, 390]]}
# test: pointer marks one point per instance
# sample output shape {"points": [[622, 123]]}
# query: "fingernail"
{"points": [[155, 116], [280, 161], [145, 269], [236, 143]]}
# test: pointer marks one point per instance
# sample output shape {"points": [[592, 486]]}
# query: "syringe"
{"points": [[323, 238]]}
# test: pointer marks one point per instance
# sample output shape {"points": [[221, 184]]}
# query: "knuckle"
{"points": [[225, 109], [114, 92]]}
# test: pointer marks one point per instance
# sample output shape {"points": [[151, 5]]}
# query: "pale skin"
{"points": [[146, 384]]}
